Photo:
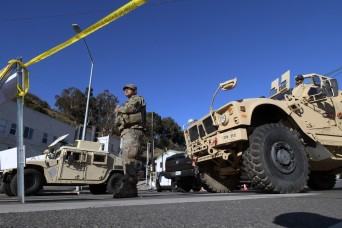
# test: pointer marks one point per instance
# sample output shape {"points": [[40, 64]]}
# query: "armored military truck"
{"points": [[283, 143], [84, 163]]}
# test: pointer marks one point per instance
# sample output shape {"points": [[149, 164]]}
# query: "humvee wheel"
{"points": [[33, 182], [7, 189], [276, 160], [97, 189], [114, 183], [212, 182], [321, 181]]}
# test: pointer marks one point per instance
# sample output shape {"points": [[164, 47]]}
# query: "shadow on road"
{"points": [[304, 219]]}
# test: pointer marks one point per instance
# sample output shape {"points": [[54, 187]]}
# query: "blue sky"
{"points": [[175, 51]]}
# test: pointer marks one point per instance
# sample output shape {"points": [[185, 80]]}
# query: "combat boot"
{"points": [[127, 190]]}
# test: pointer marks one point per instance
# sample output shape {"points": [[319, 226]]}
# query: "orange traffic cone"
{"points": [[245, 187]]}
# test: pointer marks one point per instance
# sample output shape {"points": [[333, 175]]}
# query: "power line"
{"points": [[337, 70], [165, 2], [51, 16], [82, 13]]}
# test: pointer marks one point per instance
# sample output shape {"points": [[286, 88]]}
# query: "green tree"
{"points": [[72, 102], [173, 133], [104, 115], [167, 133]]}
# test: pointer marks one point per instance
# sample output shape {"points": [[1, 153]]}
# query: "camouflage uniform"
{"points": [[131, 122]]}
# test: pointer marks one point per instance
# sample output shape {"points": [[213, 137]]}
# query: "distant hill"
{"points": [[37, 104]]}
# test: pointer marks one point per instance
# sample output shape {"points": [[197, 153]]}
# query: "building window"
{"points": [[45, 138], [2, 126], [13, 129], [28, 133]]}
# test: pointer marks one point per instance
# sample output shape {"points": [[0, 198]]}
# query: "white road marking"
{"points": [[139, 201]]}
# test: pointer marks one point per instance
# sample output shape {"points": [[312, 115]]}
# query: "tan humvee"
{"points": [[283, 143], [81, 164]]}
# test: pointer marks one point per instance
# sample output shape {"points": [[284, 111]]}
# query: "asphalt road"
{"points": [[175, 209]]}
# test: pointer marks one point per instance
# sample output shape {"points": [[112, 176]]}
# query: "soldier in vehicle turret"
{"points": [[131, 121], [299, 79]]}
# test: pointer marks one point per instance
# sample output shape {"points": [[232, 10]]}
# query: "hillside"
{"points": [[35, 103]]}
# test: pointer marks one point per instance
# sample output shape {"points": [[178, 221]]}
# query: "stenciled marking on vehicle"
{"points": [[52, 171]]}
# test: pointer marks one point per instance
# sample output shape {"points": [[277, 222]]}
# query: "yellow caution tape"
{"points": [[22, 91], [5, 73], [101, 23]]}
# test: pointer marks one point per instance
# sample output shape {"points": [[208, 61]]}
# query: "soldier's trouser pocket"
{"points": [[131, 144]]}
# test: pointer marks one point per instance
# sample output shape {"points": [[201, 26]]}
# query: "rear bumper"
{"points": [[182, 173]]}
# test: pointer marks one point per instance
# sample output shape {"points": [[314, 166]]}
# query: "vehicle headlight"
{"points": [[223, 119]]}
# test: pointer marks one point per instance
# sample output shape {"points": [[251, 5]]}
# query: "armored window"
{"points": [[193, 133], [201, 131], [282, 86], [13, 129], [2, 126], [28, 133], [316, 80], [273, 91], [208, 125], [99, 159], [45, 138], [77, 156]]}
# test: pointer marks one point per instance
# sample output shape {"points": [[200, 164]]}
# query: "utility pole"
{"points": [[147, 160], [20, 139], [152, 139], [78, 30], [152, 151]]}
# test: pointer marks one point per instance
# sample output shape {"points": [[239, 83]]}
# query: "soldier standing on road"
{"points": [[131, 121]]}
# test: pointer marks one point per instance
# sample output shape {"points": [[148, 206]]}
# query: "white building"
{"points": [[110, 144], [40, 130]]}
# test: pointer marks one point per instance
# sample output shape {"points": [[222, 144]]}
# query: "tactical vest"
{"points": [[136, 120]]}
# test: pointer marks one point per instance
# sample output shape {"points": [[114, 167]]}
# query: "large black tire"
{"points": [[33, 182], [158, 186], [196, 185], [97, 189], [276, 160], [7, 189], [196, 189], [174, 186], [184, 184], [114, 183], [213, 182], [321, 181], [1, 187]]}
